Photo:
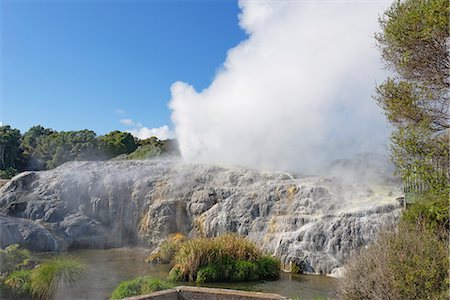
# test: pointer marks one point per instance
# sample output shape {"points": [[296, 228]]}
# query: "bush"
{"points": [[19, 281], [430, 209], [139, 286], [54, 274], [407, 263], [13, 257]]}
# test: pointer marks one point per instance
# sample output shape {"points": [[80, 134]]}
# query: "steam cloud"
{"points": [[297, 94]]}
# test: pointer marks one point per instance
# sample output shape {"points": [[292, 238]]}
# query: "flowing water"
{"points": [[107, 268]]}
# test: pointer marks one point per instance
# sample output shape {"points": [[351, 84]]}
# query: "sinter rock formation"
{"points": [[315, 222]]}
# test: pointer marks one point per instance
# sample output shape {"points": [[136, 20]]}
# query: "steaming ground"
{"points": [[314, 221], [296, 95]]}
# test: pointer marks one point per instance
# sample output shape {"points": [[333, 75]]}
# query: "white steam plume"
{"points": [[295, 95]]}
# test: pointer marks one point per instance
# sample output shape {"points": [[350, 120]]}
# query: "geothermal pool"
{"points": [[107, 268]]}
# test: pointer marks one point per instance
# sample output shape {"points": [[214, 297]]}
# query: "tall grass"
{"points": [[139, 286], [167, 249], [228, 257], [55, 274]]}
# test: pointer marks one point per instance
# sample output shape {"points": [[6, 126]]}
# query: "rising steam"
{"points": [[295, 95]]}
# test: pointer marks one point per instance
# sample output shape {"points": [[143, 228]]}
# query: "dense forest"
{"points": [[43, 148]]}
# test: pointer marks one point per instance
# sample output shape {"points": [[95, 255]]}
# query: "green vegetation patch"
{"points": [[139, 286], [55, 273], [407, 263], [225, 258]]}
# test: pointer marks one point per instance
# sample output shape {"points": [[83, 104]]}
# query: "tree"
{"points": [[9, 147], [30, 141], [413, 43], [61, 147], [116, 143]]}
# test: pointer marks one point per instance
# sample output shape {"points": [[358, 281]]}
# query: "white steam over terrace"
{"points": [[296, 94]]}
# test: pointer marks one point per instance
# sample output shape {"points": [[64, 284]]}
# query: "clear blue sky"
{"points": [[69, 65]]}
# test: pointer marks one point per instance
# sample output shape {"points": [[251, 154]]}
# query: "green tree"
{"points": [[116, 143], [9, 147], [413, 43], [30, 141], [63, 146]]}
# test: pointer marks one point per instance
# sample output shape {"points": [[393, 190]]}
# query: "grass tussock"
{"points": [[225, 258], [139, 286], [167, 249], [54, 274]]}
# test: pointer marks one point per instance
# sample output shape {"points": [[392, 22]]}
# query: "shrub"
{"points": [[139, 286], [407, 263], [19, 281], [48, 277], [430, 209], [12, 257]]}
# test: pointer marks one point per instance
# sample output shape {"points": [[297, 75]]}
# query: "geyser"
{"points": [[296, 95]]}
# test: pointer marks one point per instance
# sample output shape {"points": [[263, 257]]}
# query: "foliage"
{"points": [[225, 258], [167, 249], [139, 286], [407, 263], [210, 273], [19, 281], [431, 210], [152, 147], [244, 271], [9, 146], [44, 148], [12, 257], [413, 44], [268, 267], [8, 173], [32, 159], [116, 143], [411, 261], [54, 274]]}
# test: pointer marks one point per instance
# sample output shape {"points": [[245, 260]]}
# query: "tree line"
{"points": [[43, 148]]}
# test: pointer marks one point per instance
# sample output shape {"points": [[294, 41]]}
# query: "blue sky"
{"points": [[72, 65]]}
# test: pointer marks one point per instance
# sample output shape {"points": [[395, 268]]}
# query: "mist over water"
{"points": [[296, 95]]}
